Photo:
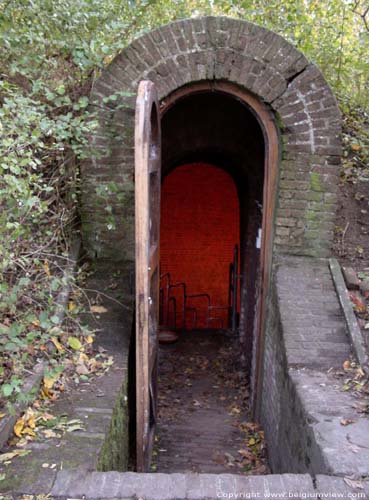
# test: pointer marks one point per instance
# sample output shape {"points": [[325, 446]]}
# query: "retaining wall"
{"points": [[303, 404]]}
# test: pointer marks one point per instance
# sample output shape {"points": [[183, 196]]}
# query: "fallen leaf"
{"points": [[22, 442], [48, 382], [89, 339], [246, 454], [31, 422], [75, 427], [18, 427], [48, 433], [94, 365], [82, 357], [5, 457], [81, 368], [98, 309], [249, 426], [57, 344], [71, 306], [347, 421], [45, 265], [230, 458], [74, 343], [2, 415], [235, 410], [358, 302], [108, 362], [45, 393], [46, 417], [28, 432], [353, 483]]}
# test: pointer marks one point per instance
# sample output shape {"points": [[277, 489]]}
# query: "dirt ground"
{"points": [[351, 244]]}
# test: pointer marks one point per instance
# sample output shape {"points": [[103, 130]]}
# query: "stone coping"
{"points": [[155, 486], [354, 331]]}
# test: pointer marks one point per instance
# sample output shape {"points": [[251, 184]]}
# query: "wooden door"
{"points": [[147, 222]]}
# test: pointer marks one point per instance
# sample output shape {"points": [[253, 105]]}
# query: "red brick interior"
{"points": [[199, 229]]}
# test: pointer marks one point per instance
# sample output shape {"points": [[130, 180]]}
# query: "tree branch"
{"points": [[362, 15]]}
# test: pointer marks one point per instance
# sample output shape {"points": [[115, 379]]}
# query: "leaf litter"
{"points": [[181, 373], [37, 421]]}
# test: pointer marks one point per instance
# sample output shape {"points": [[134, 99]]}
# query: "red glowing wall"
{"points": [[199, 228]]}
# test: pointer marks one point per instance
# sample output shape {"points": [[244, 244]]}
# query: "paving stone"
{"points": [[150, 486], [351, 279], [337, 487], [305, 286], [345, 449]]}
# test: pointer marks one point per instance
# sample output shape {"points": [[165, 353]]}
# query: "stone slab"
{"points": [[314, 328], [338, 487], [150, 486], [351, 279], [344, 448]]}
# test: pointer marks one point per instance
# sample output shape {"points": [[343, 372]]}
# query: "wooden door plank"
{"points": [[147, 225]]}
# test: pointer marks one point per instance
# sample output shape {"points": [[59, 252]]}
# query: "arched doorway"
{"points": [[219, 164], [225, 125]]}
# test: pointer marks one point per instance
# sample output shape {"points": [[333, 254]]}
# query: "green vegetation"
{"points": [[51, 51]]}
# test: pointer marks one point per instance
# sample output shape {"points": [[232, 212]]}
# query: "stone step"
{"points": [[192, 486]]}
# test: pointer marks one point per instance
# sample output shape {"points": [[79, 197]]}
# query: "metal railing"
{"points": [[168, 303]]}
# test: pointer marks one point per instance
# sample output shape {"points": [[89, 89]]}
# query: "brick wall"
{"points": [[199, 228], [290, 440], [246, 55], [306, 336], [308, 121]]}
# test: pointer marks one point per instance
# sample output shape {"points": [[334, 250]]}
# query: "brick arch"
{"points": [[244, 54]]}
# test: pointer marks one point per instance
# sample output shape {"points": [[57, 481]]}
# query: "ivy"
{"points": [[51, 52]]}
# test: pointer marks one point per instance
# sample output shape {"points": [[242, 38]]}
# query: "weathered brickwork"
{"points": [[303, 405], [257, 60], [314, 328]]}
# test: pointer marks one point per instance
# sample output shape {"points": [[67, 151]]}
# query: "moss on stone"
{"points": [[114, 452], [315, 182], [315, 196], [311, 215]]}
